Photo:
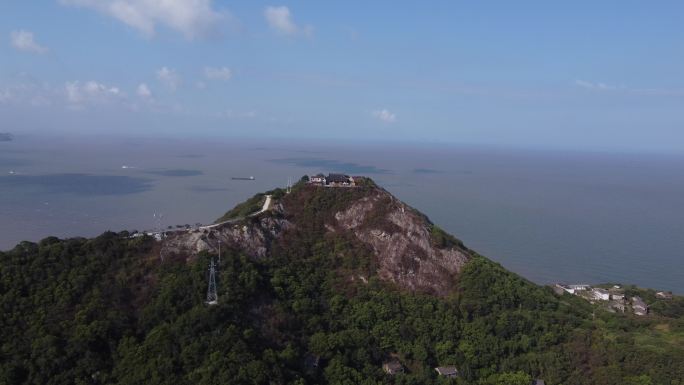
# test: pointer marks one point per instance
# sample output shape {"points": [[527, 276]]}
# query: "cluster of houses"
{"points": [[332, 180], [614, 297], [394, 367]]}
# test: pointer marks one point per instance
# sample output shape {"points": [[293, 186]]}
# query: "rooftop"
{"points": [[393, 367], [447, 370]]}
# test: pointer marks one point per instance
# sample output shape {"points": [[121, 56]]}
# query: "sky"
{"points": [[582, 75]]}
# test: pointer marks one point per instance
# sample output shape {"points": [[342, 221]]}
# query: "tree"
{"points": [[508, 378]]}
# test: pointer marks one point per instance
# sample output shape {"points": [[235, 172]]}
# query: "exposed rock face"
{"points": [[400, 238], [252, 236], [402, 243]]}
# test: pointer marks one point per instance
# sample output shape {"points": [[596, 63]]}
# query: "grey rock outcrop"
{"points": [[402, 244], [252, 236]]}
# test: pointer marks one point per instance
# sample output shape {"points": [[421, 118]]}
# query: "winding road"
{"points": [[265, 207]]}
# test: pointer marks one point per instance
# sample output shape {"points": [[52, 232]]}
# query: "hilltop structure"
{"points": [[333, 180]]}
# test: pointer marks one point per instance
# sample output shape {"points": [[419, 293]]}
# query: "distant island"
{"points": [[6, 137], [330, 281]]}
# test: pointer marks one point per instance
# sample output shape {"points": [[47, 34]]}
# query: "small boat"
{"points": [[242, 178], [12, 172]]}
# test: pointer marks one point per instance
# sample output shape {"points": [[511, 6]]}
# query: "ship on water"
{"points": [[242, 178]]}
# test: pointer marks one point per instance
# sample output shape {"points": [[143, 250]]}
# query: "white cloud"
{"points": [[75, 95], [79, 94], [223, 73], [231, 114], [168, 77], [595, 86], [280, 20], [192, 18], [23, 41], [144, 91], [385, 115]]}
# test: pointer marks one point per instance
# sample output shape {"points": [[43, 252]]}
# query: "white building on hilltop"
{"points": [[332, 180], [317, 179]]}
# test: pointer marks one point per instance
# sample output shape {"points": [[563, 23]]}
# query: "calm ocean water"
{"points": [[550, 216]]}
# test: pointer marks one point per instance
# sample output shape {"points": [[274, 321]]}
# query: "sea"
{"points": [[550, 216]]}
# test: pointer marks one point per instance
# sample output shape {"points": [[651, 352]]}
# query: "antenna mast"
{"points": [[159, 233], [158, 217], [212, 296]]}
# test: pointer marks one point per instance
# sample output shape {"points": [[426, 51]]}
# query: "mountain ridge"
{"points": [[408, 249]]}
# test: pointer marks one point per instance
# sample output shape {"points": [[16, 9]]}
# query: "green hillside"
{"points": [[106, 311]]}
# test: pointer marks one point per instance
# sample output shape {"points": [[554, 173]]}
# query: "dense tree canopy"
{"points": [[107, 311]]}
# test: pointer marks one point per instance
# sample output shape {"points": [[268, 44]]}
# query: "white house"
{"points": [[563, 288], [639, 306], [579, 287], [319, 178], [600, 294], [617, 296], [573, 289], [332, 180]]}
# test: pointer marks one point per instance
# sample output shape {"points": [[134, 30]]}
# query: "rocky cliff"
{"points": [[402, 246]]}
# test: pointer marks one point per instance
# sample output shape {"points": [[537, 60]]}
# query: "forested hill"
{"points": [[320, 293]]}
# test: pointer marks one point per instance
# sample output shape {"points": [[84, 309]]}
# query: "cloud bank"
{"points": [[80, 94], [192, 18]]}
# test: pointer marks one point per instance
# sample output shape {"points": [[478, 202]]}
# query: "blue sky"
{"points": [[584, 75]]}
